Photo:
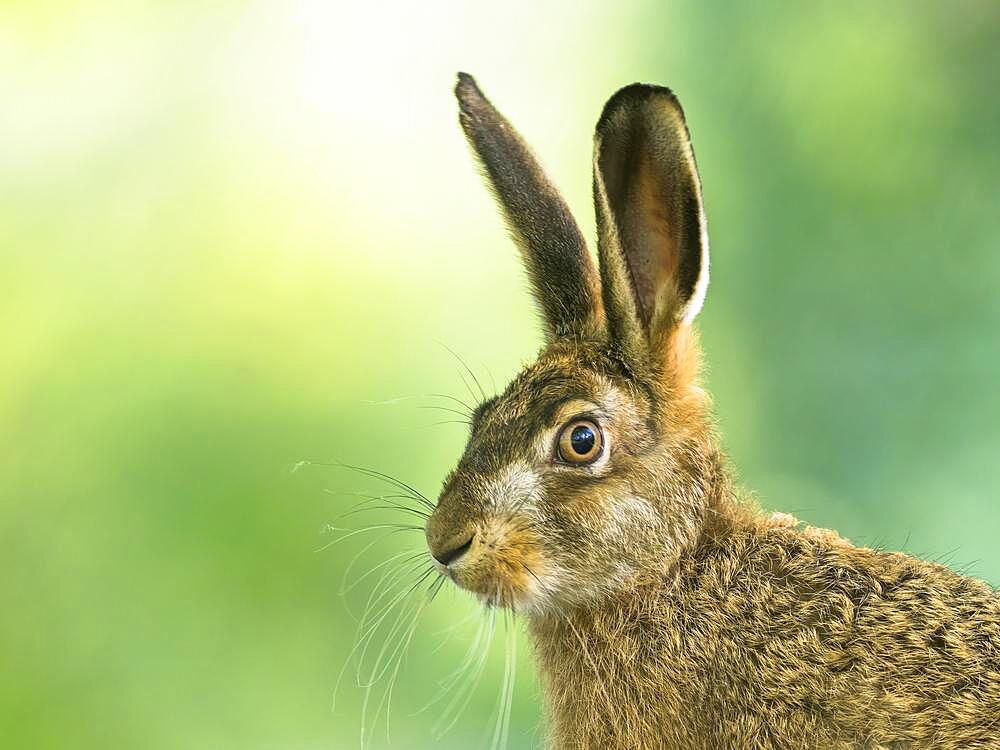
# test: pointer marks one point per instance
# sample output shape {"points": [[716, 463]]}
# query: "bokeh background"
{"points": [[237, 236]]}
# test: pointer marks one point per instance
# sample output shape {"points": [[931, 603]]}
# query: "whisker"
{"points": [[502, 728], [468, 388], [467, 662], [469, 409], [493, 382], [449, 631], [414, 493], [531, 572], [384, 599], [447, 409], [386, 657], [380, 591], [446, 421], [395, 528], [350, 566], [385, 596], [390, 506], [460, 701], [389, 401], [389, 498], [408, 556], [387, 696], [398, 483], [468, 369], [379, 669]]}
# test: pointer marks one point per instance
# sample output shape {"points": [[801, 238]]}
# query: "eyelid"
{"points": [[595, 415], [583, 416]]}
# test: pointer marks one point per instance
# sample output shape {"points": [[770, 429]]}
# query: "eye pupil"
{"points": [[582, 440]]}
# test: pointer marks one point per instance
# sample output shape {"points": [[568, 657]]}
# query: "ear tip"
{"points": [[635, 96], [639, 92], [467, 91]]}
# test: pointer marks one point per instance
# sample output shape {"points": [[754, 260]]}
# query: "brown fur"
{"points": [[666, 610]]}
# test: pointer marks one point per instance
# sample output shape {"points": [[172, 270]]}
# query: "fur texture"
{"points": [[666, 610]]}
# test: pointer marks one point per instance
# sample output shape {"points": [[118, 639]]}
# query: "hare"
{"points": [[665, 609]]}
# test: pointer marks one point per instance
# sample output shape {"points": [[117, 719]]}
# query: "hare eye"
{"points": [[580, 442]]}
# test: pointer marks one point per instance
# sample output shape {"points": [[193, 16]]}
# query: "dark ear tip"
{"points": [[633, 98], [467, 92]]}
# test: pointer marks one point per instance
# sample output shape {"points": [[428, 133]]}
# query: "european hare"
{"points": [[593, 498]]}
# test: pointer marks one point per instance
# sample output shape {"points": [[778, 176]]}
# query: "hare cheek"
{"points": [[631, 510], [630, 523], [514, 489]]}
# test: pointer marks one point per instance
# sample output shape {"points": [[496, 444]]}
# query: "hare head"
{"points": [[594, 469]]}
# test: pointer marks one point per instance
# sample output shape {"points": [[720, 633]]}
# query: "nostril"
{"points": [[449, 556]]}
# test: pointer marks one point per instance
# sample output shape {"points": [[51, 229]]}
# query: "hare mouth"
{"points": [[502, 567]]}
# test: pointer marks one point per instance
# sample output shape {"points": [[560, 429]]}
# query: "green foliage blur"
{"points": [[238, 236]]}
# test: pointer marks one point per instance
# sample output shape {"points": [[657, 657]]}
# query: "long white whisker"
{"points": [[512, 656], [467, 662], [353, 562], [387, 696], [390, 501], [381, 590], [468, 409], [412, 492], [482, 393], [409, 555], [462, 697], [381, 664], [500, 729], [384, 590], [449, 631], [385, 612], [395, 528]]}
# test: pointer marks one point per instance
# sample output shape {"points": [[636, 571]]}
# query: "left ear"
{"points": [[552, 247], [653, 242]]}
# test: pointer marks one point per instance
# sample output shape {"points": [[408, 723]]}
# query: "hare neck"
{"points": [[601, 671], [617, 674]]}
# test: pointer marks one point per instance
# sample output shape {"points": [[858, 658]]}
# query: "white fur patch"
{"points": [[515, 486], [694, 304], [635, 508]]}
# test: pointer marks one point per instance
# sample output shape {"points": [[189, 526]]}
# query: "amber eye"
{"points": [[580, 442]]}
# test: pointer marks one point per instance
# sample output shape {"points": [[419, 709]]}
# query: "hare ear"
{"points": [[562, 274], [653, 245]]}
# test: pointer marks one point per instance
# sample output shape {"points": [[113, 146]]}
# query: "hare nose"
{"points": [[447, 557]]}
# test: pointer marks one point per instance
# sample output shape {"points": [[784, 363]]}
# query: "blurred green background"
{"points": [[236, 236]]}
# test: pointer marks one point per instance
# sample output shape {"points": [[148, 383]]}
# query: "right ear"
{"points": [[562, 274], [653, 244]]}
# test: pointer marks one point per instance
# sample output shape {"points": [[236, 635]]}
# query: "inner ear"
{"points": [[647, 227]]}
